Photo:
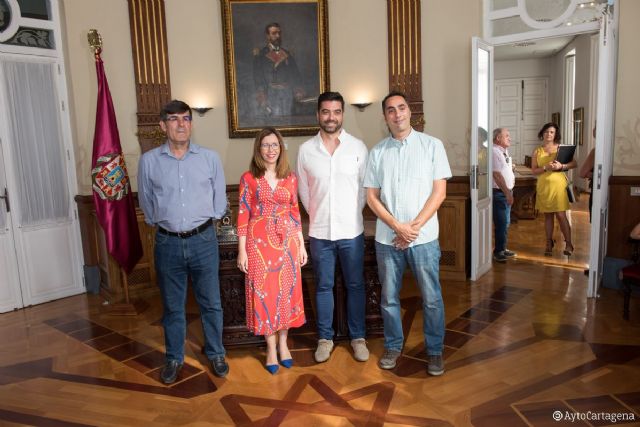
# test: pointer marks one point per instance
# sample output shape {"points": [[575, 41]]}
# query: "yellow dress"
{"points": [[551, 188]]}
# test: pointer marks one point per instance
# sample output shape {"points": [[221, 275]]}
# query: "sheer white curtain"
{"points": [[35, 137]]}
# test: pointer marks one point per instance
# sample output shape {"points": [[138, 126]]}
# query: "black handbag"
{"points": [[570, 194]]}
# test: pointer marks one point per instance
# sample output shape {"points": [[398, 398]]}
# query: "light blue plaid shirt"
{"points": [[404, 172]]}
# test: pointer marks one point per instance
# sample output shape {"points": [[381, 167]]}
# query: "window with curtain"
{"points": [[36, 144]]}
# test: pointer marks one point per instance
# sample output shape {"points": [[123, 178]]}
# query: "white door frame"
{"points": [[605, 134], [481, 168], [607, 27]]}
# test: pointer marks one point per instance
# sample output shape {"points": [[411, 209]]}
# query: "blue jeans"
{"points": [[176, 259], [351, 255], [501, 220], [424, 261]]}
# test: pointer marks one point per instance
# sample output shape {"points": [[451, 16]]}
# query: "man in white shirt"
{"points": [[330, 169], [503, 182]]}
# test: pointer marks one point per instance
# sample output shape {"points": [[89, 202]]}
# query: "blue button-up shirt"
{"points": [[180, 194], [404, 172]]}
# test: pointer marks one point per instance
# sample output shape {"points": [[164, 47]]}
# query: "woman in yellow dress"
{"points": [[551, 188]]}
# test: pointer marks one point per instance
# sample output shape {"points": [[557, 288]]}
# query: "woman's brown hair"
{"points": [[258, 167], [557, 136]]}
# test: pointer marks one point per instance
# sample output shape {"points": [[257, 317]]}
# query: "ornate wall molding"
{"points": [[405, 59], [151, 67]]}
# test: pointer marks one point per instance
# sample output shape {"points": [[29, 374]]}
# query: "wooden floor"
{"points": [[527, 238], [521, 343]]}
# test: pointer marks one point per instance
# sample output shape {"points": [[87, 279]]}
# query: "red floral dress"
{"points": [[270, 218]]}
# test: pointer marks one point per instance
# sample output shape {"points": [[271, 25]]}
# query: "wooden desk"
{"points": [[232, 291], [524, 195]]}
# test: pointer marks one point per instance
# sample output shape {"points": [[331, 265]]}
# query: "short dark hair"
{"points": [[556, 138], [391, 95], [330, 96], [272, 24], [173, 107]]}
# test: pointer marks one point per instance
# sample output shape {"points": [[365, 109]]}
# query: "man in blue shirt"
{"points": [[181, 190], [406, 183]]}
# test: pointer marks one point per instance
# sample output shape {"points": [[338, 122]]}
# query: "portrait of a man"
{"points": [[277, 80], [278, 67]]}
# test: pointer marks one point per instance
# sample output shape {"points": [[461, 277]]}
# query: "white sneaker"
{"points": [[360, 350], [324, 350]]}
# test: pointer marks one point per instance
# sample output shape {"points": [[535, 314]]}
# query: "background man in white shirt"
{"points": [[330, 169], [503, 182]]}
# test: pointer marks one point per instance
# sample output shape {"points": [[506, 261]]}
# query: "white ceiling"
{"points": [[534, 49], [544, 11]]}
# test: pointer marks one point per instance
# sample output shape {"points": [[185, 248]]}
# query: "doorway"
{"points": [[537, 82]]}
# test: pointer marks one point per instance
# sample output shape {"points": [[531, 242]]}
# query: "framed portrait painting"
{"points": [[276, 64]]}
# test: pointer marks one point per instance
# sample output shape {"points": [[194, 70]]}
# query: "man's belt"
{"points": [[184, 234]]}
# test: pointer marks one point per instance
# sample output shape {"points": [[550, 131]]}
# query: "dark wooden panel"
{"points": [[405, 59], [151, 67], [624, 214]]}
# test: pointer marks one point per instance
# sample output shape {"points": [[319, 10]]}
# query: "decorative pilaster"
{"points": [[151, 67], [405, 59]]}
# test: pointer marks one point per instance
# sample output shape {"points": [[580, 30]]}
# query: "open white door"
{"points": [[608, 49], [480, 156]]}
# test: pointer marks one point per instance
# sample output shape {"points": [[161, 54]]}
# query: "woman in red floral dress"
{"points": [[271, 246]]}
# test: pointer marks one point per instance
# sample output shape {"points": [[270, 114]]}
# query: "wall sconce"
{"points": [[362, 105], [201, 110]]}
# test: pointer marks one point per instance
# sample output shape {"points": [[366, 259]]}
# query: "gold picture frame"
{"points": [[276, 64], [578, 126]]}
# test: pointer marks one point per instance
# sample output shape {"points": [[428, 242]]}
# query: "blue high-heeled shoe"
{"points": [[287, 363], [272, 368]]}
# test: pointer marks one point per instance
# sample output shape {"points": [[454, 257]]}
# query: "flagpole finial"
{"points": [[95, 42]]}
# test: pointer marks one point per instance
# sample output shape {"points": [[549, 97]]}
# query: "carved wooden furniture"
{"points": [[524, 198], [453, 217], [233, 296]]}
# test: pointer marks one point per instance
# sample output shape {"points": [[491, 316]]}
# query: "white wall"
{"points": [[582, 46], [447, 29], [521, 68]]}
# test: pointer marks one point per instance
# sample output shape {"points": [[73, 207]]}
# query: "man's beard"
{"points": [[325, 127]]}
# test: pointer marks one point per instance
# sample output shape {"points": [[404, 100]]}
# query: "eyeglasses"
{"points": [[174, 119], [273, 146]]}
